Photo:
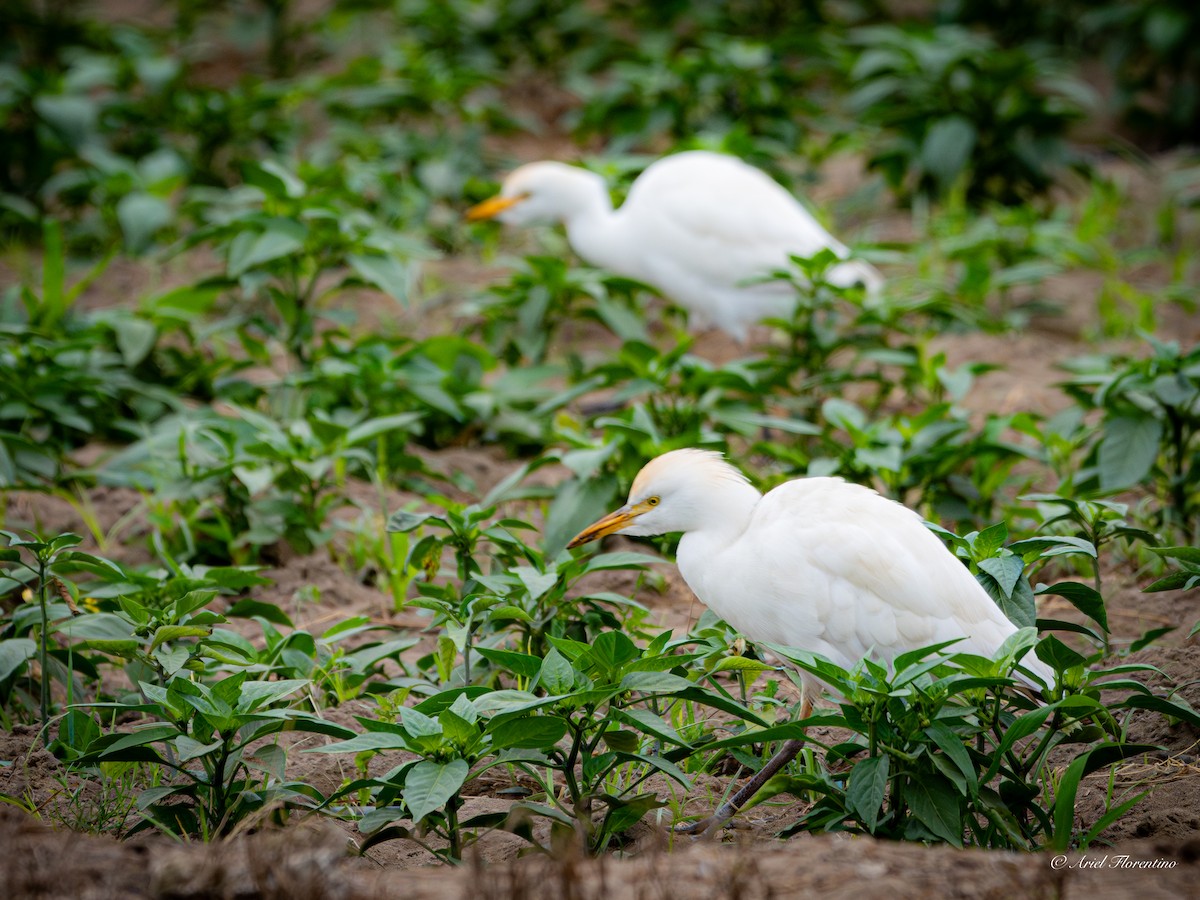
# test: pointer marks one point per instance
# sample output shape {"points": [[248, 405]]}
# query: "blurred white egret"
{"points": [[818, 564], [700, 227]]}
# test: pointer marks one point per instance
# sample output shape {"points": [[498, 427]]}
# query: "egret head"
{"points": [[683, 490], [542, 193]]}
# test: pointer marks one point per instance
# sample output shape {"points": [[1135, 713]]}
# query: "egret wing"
{"points": [[839, 570]]}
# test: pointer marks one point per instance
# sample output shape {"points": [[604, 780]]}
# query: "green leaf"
{"points": [[166, 633], [89, 561], [406, 521], [946, 150], [269, 758], [1057, 655], [866, 789], [13, 653], [1128, 450], [624, 813], [1174, 709], [951, 744], [1068, 786], [611, 650], [1183, 554], [274, 179], [385, 272], [141, 216], [1149, 637], [506, 704], [373, 428], [620, 560], [372, 740], [535, 582], [250, 608], [1020, 607], [576, 504], [419, 725], [935, 804], [725, 704], [74, 116], [522, 664], [1176, 581], [1053, 545], [508, 611], [429, 785], [528, 732], [249, 250], [135, 339], [457, 730], [654, 682], [1007, 570], [556, 676], [97, 626], [622, 741], [1084, 598], [139, 738], [648, 723], [989, 541], [190, 748], [742, 664], [257, 694], [1021, 728]]}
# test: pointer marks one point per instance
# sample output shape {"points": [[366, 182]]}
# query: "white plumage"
{"points": [[699, 227], [817, 563]]}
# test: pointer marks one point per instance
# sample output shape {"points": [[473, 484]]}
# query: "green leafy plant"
{"points": [[1151, 427], [459, 391], [1001, 569], [282, 237], [539, 303], [959, 107], [66, 378], [1188, 574], [335, 673], [939, 751], [502, 587], [209, 738], [711, 84], [227, 482], [585, 727], [935, 458], [453, 742], [40, 567]]}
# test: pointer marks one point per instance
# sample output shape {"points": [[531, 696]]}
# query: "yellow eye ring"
{"points": [[653, 501]]}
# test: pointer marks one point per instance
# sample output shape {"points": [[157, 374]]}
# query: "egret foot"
{"points": [[729, 809]]}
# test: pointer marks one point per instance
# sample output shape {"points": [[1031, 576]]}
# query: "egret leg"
{"points": [[730, 807]]}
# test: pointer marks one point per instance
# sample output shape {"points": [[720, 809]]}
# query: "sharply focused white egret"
{"points": [[818, 564], [699, 227]]}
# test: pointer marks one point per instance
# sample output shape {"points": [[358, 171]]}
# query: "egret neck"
{"points": [[721, 515], [593, 227]]}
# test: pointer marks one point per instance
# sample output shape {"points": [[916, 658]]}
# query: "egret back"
{"points": [[836, 569]]}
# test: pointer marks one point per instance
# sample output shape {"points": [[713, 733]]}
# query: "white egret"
{"points": [[702, 228], [818, 564]]}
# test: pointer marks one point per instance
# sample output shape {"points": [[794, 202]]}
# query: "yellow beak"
{"points": [[491, 208], [614, 521]]}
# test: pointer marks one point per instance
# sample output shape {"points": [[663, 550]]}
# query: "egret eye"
{"points": [[653, 501]]}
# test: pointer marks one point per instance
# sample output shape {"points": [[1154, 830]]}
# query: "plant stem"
{"points": [[453, 832], [217, 787], [43, 654]]}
